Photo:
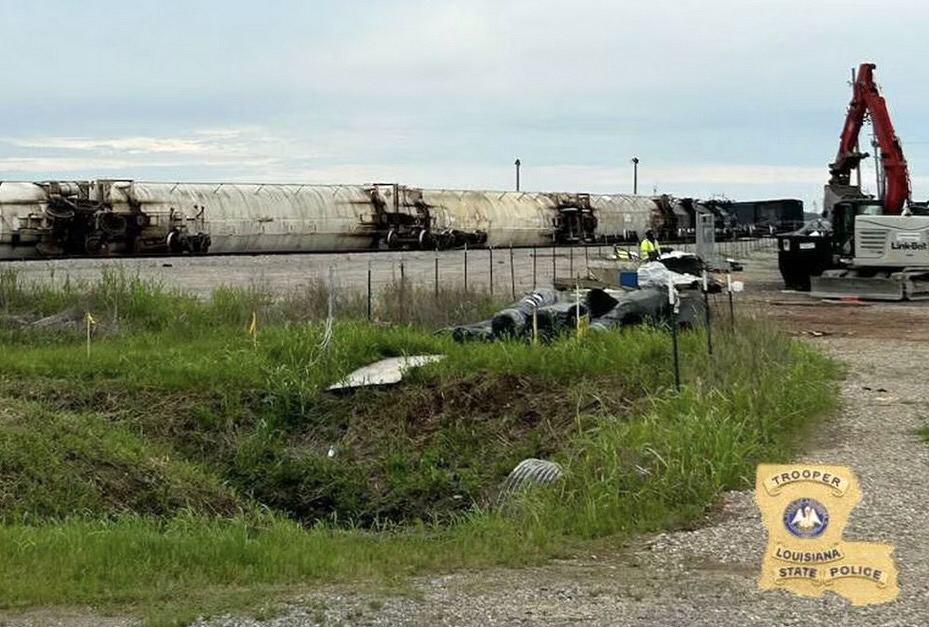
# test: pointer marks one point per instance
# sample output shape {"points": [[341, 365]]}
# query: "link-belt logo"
{"points": [[908, 242], [805, 509], [909, 246]]}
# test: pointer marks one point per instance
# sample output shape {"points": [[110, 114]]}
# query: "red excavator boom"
{"points": [[867, 100]]}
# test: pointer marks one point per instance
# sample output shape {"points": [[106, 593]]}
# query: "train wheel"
{"points": [[391, 238], [425, 240], [113, 224], [59, 212], [95, 245]]}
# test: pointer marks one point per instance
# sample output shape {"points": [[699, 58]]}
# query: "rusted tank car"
{"points": [[126, 217]]}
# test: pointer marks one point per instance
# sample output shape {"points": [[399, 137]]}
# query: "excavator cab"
{"points": [[843, 226]]}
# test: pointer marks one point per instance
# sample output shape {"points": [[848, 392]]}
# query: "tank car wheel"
{"points": [[173, 243], [391, 238], [95, 245], [113, 224], [425, 240], [59, 212]]}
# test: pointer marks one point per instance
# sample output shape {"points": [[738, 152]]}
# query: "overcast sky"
{"points": [[739, 98]]}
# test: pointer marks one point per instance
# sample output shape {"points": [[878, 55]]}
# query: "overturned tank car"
{"points": [[128, 217]]}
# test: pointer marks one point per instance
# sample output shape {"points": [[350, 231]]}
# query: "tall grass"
{"points": [[177, 394], [120, 301]]}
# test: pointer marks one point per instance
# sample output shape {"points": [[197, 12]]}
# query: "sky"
{"points": [[741, 99]]}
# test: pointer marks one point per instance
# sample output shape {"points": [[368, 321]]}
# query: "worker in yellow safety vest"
{"points": [[649, 248]]}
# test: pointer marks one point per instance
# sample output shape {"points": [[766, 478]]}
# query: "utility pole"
{"points": [[517, 164], [635, 176]]}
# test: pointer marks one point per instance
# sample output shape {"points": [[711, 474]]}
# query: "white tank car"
{"points": [[22, 212], [107, 217], [539, 219], [507, 218], [246, 218], [624, 217]]}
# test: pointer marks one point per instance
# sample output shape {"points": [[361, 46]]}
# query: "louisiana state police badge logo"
{"points": [[805, 508], [806, 518]]}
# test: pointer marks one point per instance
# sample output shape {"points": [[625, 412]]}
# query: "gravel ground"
{"points": [[280, 274], [707, 576]]}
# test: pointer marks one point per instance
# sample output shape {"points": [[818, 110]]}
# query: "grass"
{"points": [[182, 468]]}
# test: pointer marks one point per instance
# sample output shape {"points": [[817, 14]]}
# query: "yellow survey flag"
{"points": [[253, 327], [583, 323], [90, 322]]}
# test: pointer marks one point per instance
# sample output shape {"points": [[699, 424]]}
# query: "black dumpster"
{"points": [[800, 257]]}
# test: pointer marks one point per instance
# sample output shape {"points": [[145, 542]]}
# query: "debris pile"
{"points": [[546, 312]]}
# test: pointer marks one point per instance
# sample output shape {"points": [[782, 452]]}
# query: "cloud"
{"points": [[131, 145], [202, 143], [715, 96], [47, 167]]}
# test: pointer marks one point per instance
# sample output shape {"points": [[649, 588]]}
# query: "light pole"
{"points": [[517, 164], [635, 176]]}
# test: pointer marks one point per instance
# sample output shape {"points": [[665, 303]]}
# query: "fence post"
{"points": [[586, 262], [437, 273], [571, 262], [673, 301], [731, 305], [369, 290], [706, 304], [535, 258], [491, 258], [553, 264], [466, 268], [512, 274], [402, 292]]}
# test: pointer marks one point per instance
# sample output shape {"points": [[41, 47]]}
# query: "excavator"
{"points": [[877, 248]]}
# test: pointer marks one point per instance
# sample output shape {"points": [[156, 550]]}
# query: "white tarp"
{"points": [[656, 274], [384, 372]]}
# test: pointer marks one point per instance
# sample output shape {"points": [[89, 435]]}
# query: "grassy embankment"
{"points": [[182, 468]]}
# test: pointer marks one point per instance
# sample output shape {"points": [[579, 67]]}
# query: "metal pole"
{"points": [[517, 164], [731, 306], [535, 258], [437, 274], [586, 261], [677, 364], [512, 274], [635, 175], [402, 292], [553, 264], [466, 267], [706, 304], [369, 291], [491, 257], [673, 308], [571, 262]]}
